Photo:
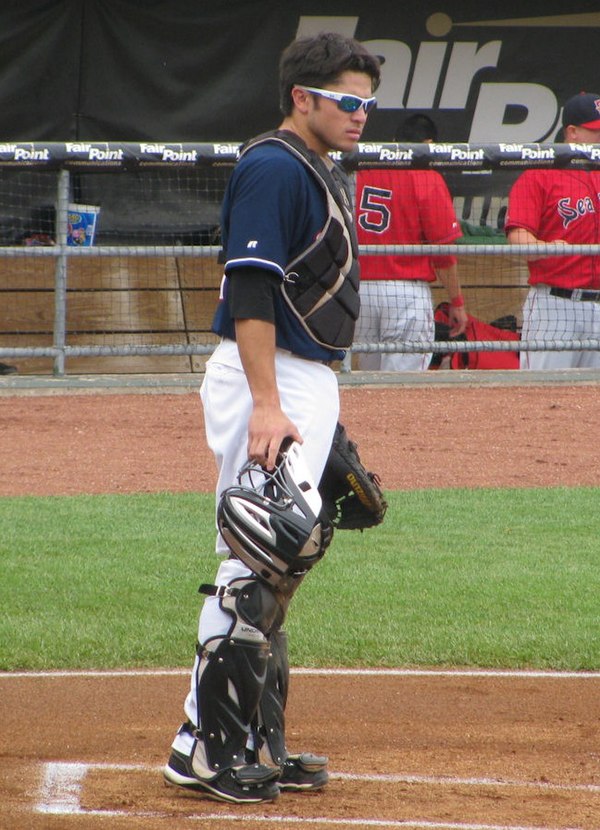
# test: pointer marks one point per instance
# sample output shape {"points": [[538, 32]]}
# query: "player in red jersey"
{"points": [[404, 207], [563, 302]]}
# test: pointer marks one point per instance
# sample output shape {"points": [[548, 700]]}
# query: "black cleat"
{"points": [[304, 772], [249, 784]]}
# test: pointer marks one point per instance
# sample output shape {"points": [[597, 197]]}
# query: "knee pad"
{"points": [[256, 603]]}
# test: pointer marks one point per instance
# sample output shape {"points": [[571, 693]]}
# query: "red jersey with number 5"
{"points": [[559, 205], [403, 207]]}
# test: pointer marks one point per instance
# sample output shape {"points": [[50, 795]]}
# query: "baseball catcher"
{"points": [[287, 311], [352, 496]]}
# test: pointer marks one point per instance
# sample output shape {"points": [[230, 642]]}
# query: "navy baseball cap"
{"points": [[582, 110]]}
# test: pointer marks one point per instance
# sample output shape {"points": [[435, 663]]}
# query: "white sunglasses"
{"points": [[345, 102]]}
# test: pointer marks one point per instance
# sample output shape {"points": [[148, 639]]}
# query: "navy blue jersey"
{"points": [[272, 211]]}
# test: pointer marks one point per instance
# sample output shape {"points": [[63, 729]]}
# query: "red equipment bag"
{"points": [[476, 330]]}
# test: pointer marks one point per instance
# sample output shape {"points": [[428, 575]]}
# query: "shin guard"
{"points": [[232, 671], [269, 727]]}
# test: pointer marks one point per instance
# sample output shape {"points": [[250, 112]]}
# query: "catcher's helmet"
{"points": [[271, 520]]}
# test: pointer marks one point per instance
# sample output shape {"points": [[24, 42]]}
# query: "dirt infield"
{"points": [[410, 750], [456, 436]]}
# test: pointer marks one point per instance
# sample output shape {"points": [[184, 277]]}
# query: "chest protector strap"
{"points": [[321, 284]]}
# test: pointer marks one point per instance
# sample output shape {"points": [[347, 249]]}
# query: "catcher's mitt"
{"points": [[352, 497]]}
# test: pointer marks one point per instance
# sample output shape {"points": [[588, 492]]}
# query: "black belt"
{"points": [[581, 296]]}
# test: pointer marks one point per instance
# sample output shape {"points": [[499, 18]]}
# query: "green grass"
{"points": [[497, 578]]}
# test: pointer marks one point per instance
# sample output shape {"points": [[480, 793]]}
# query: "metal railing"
{"points": [[58, 156]]}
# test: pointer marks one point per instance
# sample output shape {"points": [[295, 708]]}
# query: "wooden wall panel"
{"points": [[118, 273], [199, 308], [121, 300], [199, 272], [26, 273]]}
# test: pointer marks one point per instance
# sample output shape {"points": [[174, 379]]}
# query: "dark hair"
{"points": [[319, 60], [417, 127]]}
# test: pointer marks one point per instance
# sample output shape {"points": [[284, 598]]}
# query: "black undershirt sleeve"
{"points": [[251, 294]]}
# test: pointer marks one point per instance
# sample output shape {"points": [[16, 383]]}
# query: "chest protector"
{"points": [[321, 284]]}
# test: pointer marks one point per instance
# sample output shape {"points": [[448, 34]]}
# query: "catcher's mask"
{"points": [[271, 520]]}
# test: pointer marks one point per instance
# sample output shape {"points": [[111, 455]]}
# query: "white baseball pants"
{"points": [[395, 311], [309, 396], [555, 318]]}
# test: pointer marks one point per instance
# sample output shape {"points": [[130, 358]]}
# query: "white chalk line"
{"points": [[324, 672], [60, 794]]}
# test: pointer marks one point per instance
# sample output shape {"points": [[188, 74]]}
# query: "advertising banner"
{"points": [[181, 71]]}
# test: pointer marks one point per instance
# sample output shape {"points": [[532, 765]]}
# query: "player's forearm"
{"points": [[256, 345], [458, 315], [450, 280], [521, 236], [268, 424]]}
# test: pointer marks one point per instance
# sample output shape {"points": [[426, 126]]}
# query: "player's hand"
{"points": [[267, 429], [458, 320]]}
